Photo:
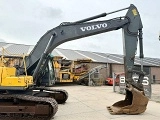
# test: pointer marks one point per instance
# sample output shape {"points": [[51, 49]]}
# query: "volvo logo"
{"points": [[93, 27]]}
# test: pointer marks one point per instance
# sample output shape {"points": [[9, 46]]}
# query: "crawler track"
{"points": [[59, 95], [27, 107]]}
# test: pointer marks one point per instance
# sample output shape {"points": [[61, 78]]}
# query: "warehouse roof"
{"points": [[14, 49]]}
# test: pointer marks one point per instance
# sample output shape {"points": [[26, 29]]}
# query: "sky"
{"points": [[25, 21]]}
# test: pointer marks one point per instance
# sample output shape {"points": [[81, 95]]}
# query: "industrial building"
{"points": [[114, 62]]}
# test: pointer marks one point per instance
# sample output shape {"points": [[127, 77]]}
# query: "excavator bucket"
{"points": [[135, 103]]}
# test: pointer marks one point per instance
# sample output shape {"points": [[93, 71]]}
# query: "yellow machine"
{"points": [[10, 79], [63, 69], [81, 68], [70, 70]]}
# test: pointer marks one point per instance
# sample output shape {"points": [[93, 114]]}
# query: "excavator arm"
{"points": [[131, 26]]}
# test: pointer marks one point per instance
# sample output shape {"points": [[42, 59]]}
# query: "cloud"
{"points": [[53, 13], [26, 21], [1, 40]]}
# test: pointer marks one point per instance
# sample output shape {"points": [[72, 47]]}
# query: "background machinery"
{"points": [[116, 79], [63, 69], [69, 70], [24, 94]]}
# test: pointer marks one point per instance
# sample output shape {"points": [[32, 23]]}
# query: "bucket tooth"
{"points": [[135, 103]]}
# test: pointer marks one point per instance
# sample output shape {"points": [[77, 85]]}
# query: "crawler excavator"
{"points": [[24, 93]]}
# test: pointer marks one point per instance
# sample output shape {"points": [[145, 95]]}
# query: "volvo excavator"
{"points": [[23, 89]]}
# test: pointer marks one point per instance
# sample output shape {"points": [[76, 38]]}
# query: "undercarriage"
{"points": [[41, 105], [58, 94]]}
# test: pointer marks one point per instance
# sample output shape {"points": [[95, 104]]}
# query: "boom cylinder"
{"points": [[141, 48], [98, 16], [141, 43]]}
